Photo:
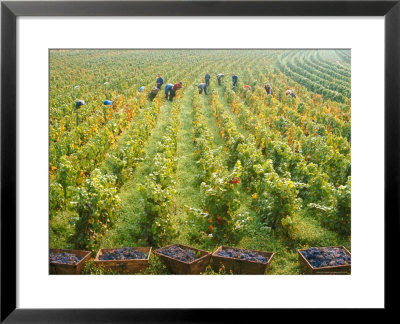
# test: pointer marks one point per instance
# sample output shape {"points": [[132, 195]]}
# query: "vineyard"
{"points": [[235, 167]]}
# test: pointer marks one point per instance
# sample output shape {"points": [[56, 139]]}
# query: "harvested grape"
{"points": [[179, 253], [64, 257], [123, 254], [326, 257], [242, 254]]}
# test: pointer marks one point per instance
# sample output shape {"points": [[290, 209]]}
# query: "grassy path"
{"points": [[211, 122], [187, 185], [127, 228]]}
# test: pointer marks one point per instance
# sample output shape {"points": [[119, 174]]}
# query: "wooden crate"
{"points": [[180, 267], [238, 266], [331, 270], [123, 266], [63, 268]]}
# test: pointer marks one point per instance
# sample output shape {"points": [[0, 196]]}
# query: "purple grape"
{"points": [[326, 257], [243, 255], [123, 254], [64, 257], [178, 253]]}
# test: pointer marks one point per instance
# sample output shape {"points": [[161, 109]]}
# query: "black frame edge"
{"points": [[202, 8], [8, 161], [10, 314], [155, 315], [392, 147]]}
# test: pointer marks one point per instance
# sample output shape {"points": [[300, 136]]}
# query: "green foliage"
{"points": [[56, 198], [277, 202], [158, 209], [337, 215], [90, 268], [220, 202], [159, 188], [249, 156], [96, 204], [66, 174], [155, 267], [116, 166]]}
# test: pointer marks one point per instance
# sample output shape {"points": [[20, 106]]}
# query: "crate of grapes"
{"points": [[241, 261], [123, 260], [181, 259], [67, 261], [326, 260]]}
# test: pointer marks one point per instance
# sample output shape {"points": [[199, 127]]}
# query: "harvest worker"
{"points": [[203, 86], [171, 90], [219, 78], [207, 78], [291, 93], [167, 89], [153, 93], [80, 103], [268, 89], [246, 87], [234, 79], [159, 81], [174, 89]]}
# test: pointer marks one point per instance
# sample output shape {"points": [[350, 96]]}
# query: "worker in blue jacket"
{"points": [[202, 86], [80, 103], [159, 81], [172, 89], [234, 79], [167, 89], [207, 78]]}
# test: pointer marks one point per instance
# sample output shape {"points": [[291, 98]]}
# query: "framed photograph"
{"points": [[175, 155]]}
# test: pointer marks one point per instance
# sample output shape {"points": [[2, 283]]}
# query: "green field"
{"points": [[235, 167]]}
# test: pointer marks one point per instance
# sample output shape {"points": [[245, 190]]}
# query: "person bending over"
{"points": [[203, 86]]}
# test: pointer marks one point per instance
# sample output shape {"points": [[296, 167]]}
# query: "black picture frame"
{"points": [[11, 10]]}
